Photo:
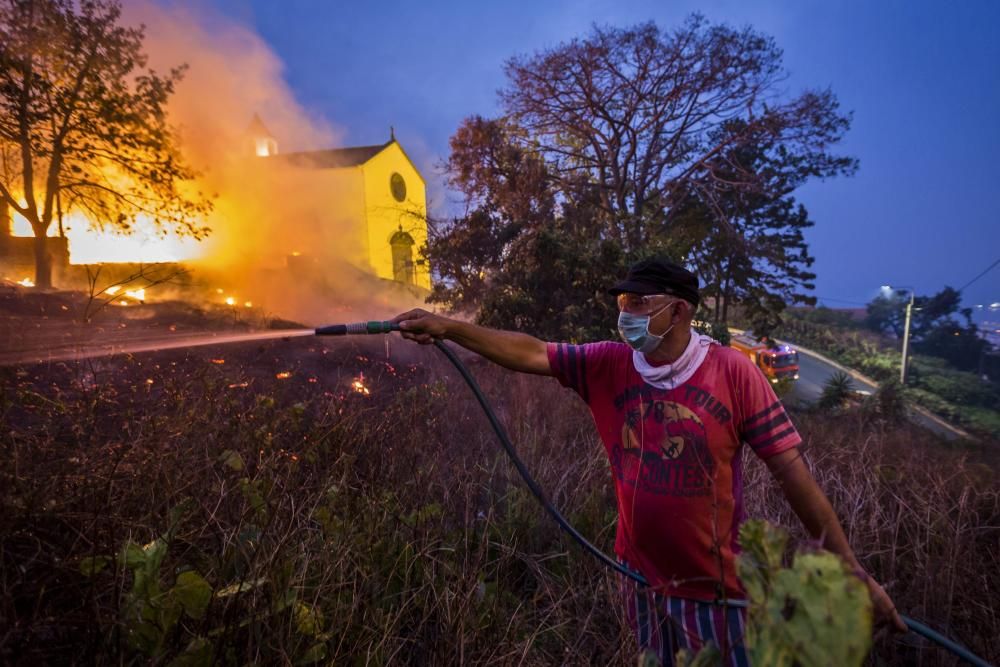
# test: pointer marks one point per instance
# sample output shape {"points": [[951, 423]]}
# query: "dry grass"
{"points": [[923, 516], [389, 528]]}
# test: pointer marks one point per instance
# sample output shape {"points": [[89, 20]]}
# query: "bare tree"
{"points": [[635, 114]]}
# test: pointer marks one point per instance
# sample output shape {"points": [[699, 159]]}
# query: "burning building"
{"points": [[313, 210], [380, 196]]}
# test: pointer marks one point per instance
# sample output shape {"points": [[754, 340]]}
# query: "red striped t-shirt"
{"points": [[675, 458]]}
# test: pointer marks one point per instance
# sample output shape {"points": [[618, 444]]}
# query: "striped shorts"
{"points": [[665, 625]]}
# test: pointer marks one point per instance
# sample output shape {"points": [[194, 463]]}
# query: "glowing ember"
{"points": [[27, 282], [230, 301], [218, 361], [137, 294], [359, 385], [149, 380], [283, 375], [248, 304], [239, 385]]}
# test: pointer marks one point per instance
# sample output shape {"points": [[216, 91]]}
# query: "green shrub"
{"points": [[815, 612], [837, 390], [888, 403]]}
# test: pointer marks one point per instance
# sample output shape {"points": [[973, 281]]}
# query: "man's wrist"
{"points": [[449, 327]]}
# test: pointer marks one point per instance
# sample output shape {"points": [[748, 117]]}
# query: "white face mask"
{"points": [[671, 376], [634, 330]]}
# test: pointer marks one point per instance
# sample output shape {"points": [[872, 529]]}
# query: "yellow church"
{"points": [[391, 211]]}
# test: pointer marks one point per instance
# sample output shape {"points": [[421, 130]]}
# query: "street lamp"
{"points": [[906, 327]]}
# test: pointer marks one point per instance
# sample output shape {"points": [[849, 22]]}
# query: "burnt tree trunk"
{"points": [[43, 261]]}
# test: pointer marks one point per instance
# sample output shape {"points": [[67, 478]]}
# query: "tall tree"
{"points": [[613, 138], [886, 313], [637, 113], [83, 123], [749, 242]]}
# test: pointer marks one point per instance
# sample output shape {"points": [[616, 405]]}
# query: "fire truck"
{"points": [[778, 362]]}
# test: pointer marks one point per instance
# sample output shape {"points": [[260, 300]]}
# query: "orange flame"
{"points": [[358, 385]]}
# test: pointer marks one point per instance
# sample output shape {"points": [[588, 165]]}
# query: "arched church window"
{"points": [[402, 257]]}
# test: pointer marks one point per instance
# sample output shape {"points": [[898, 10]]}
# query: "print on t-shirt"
{"points": [[675, 458], [676, 461]]}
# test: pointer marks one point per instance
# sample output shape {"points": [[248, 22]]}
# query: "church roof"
{"points": [[257, 127], [333, 158]]}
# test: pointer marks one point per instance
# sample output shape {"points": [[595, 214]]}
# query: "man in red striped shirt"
{"points": [[673, 409]]}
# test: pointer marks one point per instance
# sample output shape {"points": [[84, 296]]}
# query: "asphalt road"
{"points": [[813, 374]]}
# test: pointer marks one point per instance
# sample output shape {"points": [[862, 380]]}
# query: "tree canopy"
{"points": [[83, 123], [630, 142]]}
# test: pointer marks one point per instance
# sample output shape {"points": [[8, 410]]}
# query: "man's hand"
{"points": [[885, 611], [510, 349], [420, 326]]}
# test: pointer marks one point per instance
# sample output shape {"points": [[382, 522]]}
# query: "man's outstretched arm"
{"points": [[510, 349], [813, 508]]}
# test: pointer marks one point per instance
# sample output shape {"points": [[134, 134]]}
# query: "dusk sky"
{"points": [[922, 80]]}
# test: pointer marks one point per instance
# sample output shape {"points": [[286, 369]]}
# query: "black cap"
{"points": [[658, 276]]}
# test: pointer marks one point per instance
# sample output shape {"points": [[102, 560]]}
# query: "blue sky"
{"points": [[922, 80]]}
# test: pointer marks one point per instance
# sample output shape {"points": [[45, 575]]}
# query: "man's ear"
{"points": [[685, 311]]}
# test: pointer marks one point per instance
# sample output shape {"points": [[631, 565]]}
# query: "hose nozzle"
{"points": [[357, 328]]}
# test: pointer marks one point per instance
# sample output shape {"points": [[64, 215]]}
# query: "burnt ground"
{"points": [[75, 429], [42, 338]]}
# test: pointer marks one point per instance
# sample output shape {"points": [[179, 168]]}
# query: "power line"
{"points": [[987, 270]]}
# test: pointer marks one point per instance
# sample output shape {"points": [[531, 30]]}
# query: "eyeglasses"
{"points": [[640, 304]]}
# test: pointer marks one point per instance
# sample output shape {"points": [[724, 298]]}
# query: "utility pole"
{"points": [[887, 290], [906, 339]]}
